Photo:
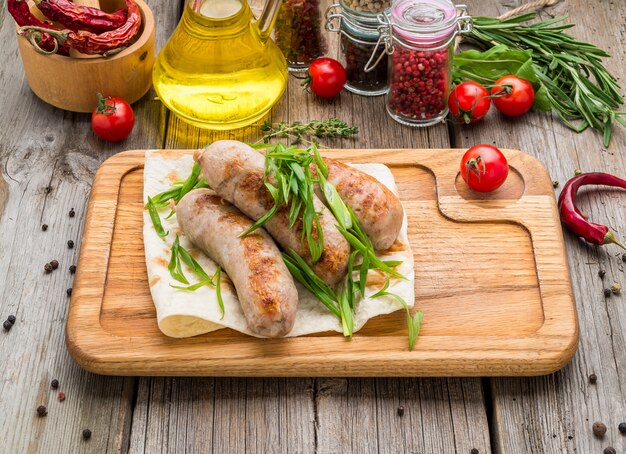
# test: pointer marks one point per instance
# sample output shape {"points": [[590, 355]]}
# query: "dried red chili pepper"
{"points": [[575, 221], [91, 43], [78, 17], [20, 11]]}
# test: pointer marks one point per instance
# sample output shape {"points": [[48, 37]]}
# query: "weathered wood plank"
{"points": [[41, 147], [555, 413], [4, 194]]}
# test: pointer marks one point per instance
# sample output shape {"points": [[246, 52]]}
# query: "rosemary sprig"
{"points": [[579, 87], [302, 132]]}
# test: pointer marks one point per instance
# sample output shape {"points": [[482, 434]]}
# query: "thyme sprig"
{"points": [[579, 87], [303, 132]]}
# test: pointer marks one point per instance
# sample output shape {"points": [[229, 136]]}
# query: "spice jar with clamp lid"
{"points": [[358, 41], [298, 33], [419, 37]]}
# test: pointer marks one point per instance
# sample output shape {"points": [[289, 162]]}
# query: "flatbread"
{"points": [[186, 314]]}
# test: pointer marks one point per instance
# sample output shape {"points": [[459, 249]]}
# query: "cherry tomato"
{"points": [[326, 77], [513, 96], [484, 168], [113, 119], [469, 102]]}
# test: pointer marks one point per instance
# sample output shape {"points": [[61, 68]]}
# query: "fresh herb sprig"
{"points": [[289, 181], [343, 303], [179, 254], [579, 87], [303, 132], [180, 189]]}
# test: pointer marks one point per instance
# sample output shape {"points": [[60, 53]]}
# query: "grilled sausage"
{"points": [[235, 171], [265, 288], [377, 208]]}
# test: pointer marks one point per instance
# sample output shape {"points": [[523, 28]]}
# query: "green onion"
{"points": [[156, 220], [347, 321], [414, 322], [189, 183], [174, 266], [218, 289], [194, 287], [305, 275], [180, 252], [193, 264]]}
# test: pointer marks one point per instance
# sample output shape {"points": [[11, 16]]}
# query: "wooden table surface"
{"points": [[43, 147]]}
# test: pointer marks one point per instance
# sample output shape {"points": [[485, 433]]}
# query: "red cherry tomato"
{"points": [[326, 77], [113, 119], [513, 96], [469, 102], [484, 168]]}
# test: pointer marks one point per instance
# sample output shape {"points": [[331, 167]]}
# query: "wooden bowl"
{"points": [[72, 83]]}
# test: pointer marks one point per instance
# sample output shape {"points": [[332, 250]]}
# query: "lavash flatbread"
{"points": [[186, 314]]}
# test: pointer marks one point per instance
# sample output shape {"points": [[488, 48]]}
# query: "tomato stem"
{"points": [[103, 105], [476, 166]]}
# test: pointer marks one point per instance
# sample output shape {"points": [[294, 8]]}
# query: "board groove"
{"points": [[491, 278]]}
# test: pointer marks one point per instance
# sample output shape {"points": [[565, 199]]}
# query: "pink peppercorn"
{"points": [[418, 91]]}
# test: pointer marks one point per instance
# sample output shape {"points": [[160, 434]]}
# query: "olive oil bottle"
{"points": [[220, 70]]}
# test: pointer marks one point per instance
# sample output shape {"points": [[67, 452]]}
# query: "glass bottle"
{"points": [[298, 33], [419, 36], [220, 69], [358, 40]]}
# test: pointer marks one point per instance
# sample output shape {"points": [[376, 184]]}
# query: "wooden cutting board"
{"points": [[491, 277]]}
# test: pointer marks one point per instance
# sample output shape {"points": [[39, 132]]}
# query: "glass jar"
{"points": [[358, 42], [419, 36], [298, 33]]}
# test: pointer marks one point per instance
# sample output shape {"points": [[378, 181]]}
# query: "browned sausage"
{"points": [[235, 171], [265, 288], [375, 206]]}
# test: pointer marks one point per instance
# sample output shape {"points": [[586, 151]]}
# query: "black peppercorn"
{"points": [[624, 257], [70, 244], [44, 227], [555, 184], [593, 378], [86, 434], [400, 410], [47, 189], [48, 268], [609, 450], [54, 264], [474, 451], [599, 429], [42, 410], [622, 428], [69, 291], [72, 269], [7, 325], [72, 213], [54, 384], [607, 292], [601, 273], [11, 318]]}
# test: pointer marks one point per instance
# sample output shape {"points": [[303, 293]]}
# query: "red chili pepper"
{"points": [[575, 221], [78, 17], [20, 11], [91, 43]]}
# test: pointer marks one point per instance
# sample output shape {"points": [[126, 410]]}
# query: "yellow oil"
{"points": [[216, 71]]}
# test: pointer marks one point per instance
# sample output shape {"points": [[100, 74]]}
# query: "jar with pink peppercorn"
{"points": [[419, 36]]}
